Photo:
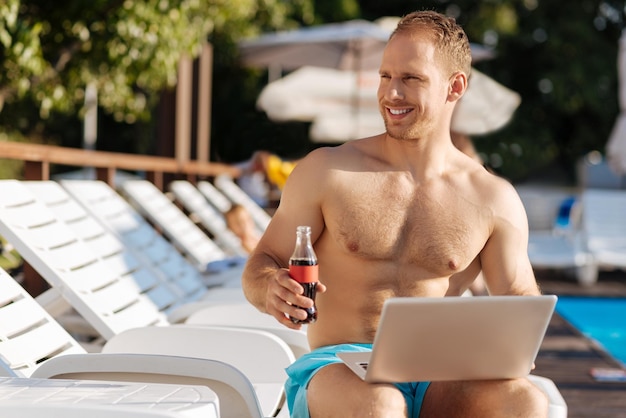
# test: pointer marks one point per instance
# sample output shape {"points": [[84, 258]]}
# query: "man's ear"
{"points": [[458, 85]]}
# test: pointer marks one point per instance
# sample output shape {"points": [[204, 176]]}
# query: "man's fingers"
{"points": [[282, 311]]}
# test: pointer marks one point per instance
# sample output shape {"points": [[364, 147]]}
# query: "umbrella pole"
{"points": [[274, 72], [356, 96]]}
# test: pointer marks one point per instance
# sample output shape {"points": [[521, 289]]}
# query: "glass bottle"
{"points": [[303, 268]]}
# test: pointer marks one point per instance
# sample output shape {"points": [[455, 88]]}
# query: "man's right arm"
{"points": [[266, 281]]}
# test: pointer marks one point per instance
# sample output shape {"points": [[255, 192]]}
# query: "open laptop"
{"points": [[455, 338]]}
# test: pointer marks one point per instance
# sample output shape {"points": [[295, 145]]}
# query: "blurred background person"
{"points": [[240, 222], [263, 176]]}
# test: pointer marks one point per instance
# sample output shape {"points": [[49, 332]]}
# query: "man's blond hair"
{"points": [[450, 40]]}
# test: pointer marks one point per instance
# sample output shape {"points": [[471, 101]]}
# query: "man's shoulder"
{"points": [[484, 178], [339, 154], [490, 188], [500, 196]]}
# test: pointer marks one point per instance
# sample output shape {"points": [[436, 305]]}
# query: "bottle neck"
{"points": [[303, 253]]}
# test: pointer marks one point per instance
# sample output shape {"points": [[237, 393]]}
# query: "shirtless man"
{"points": [[404, 213]]}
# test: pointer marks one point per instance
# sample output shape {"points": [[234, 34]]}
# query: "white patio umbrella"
{"points": [[485, 107], [327, 97], [616, 145], [341, 105], [338, 103], [354, 45], [309, 91]]}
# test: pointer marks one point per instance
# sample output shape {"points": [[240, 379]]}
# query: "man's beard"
{"points": [[402, 134]]}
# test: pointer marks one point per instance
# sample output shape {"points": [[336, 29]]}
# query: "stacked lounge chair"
{"points": [[34, 345]]}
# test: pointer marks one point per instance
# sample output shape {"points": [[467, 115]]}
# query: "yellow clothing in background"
{"points": [[278, 170]]}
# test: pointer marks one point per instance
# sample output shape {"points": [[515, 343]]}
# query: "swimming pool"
{"points": [[602, 319]]}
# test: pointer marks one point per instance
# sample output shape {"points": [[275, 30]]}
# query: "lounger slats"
{"points": [[58, 247], [104, 245], [110, 207], [179, 229], [12, 195], [28, 334], [70, 212], [41, 342], [227, 186], [137, 234], [26, 215], [121, 305], [158, 250], [112, 295], [103, 285], [8, 292], [121, 263], [15, 317], [128, 266], [86, 279], [86, 228], [163, 300], [214, 196], [212, 219]]}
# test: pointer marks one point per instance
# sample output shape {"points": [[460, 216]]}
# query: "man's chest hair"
{"points": [[440, 235]]}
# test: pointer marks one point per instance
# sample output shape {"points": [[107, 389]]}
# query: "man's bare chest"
{"points": [[439, 232]]}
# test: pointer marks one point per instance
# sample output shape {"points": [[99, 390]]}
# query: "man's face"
{"points": [[412, 90]]}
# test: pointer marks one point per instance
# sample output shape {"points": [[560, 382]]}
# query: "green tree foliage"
{"points": [[50, 52], [562, 60], [327, 11], [128, 49]]}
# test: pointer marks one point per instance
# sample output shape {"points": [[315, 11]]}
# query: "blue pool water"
{"points": [[600, 319]]}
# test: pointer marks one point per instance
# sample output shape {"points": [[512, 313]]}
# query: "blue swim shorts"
{"points": [[304, 368]]}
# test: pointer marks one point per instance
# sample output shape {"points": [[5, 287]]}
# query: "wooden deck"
{"points": [[566, 356]]}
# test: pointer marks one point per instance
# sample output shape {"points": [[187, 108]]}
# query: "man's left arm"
{"points": [[504, 259]]}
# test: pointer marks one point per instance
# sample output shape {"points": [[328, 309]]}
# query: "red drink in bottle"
{"points": [[303, 268]]}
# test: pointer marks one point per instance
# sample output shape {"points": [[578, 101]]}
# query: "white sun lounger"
{"points": [[604, 226], [246, 316], [47, 357], [116, 214], [46, 398], [554, 246], [28, 334], [560, 251], [106, 296], [172, 294], [102, 291], [33, 344], [176, 226]]}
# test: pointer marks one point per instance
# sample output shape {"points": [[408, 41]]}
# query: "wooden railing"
{"points": [[39, 158]]}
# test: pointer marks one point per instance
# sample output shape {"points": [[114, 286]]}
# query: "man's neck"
{"points": [[423, 157]]}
